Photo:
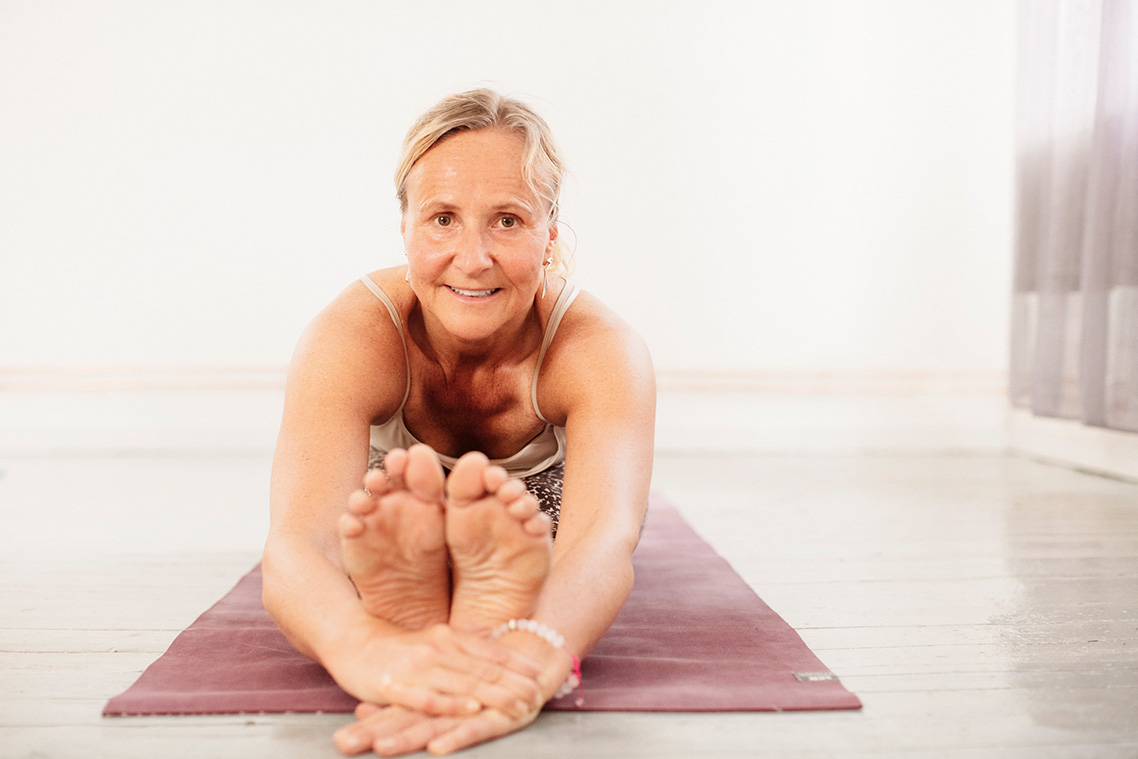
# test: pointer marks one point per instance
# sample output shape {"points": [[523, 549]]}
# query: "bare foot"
{"points": [[393, 541], [499, 544]]}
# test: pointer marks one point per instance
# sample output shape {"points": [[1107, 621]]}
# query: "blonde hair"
{"points": [[542, 165]]}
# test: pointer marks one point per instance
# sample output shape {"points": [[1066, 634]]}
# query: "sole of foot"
{"points": [[500, 545], [393, 540]]}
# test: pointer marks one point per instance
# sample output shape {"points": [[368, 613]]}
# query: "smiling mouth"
{"points": [[473, 293]]}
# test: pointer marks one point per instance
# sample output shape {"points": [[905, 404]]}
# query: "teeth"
{"points": [[473, 293]]}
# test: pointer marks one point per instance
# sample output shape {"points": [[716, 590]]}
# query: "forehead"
{"points": [[480, 161]]}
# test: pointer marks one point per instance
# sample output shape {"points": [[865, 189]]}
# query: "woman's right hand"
{"points": [[439, 671]]}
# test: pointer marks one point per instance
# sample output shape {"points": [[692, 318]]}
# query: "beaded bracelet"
{"points": [[555, 639]]}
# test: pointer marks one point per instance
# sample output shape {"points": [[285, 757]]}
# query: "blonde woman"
{"points": [[498, 407]]}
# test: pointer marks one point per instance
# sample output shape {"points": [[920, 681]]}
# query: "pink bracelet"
{"points": [[555, 639]]}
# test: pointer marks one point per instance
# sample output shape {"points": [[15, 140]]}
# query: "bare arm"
{"points": [[602, 383], [348, 368], [320, 457]]}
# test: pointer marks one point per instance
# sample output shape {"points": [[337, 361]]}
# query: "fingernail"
{"points": [[473, 706]]}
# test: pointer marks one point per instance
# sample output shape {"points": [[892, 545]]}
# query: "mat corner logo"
{"points": [[815, 677]]}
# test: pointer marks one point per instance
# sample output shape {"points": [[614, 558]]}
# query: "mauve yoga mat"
{"points": [[691, 637]]}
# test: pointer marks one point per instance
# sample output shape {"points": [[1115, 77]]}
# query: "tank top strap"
{"points": [[564, 300], [379, 293]]}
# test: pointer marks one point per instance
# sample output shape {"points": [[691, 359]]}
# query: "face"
{"points": [[476, 237]]}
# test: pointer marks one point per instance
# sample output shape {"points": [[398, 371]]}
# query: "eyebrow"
{"points": [[445, 205], [514, 206]]}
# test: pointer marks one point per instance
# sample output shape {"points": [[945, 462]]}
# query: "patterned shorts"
{"points": [[544, 486]]}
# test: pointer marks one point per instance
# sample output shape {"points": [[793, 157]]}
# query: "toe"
{"points": [[361, 503], [424, 474], [350, 526], [510, 491], [465, 482], [493, 477], [538, 525], [376, 483], [394, 465], [522, 508]]}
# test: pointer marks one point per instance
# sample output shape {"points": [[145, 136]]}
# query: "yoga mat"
{"points": [[691, 637]]}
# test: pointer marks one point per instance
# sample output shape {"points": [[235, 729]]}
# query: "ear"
{"points": [[403, 226], [553, 232]]}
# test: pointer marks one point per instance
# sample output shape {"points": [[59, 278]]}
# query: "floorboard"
{"points": [[981, 606]]}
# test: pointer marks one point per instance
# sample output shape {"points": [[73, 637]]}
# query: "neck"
{"points": [[510, 345]]}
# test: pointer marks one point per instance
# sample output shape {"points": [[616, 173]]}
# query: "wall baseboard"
{"points": [[154, 410], [223, 377], [1070, 443], [879, 382], [82, 378]]}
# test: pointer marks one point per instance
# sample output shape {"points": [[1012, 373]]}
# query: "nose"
{"points": [[472, 252]]}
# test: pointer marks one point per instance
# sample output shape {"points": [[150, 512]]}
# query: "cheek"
{"points": [[425, 240], [422, 254]]}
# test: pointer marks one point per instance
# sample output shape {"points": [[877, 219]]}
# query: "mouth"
{"points": [[473, 293]]}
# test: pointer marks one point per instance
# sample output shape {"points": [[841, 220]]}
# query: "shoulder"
{"points": [[595, 360], [351, 352], [358, 319]]}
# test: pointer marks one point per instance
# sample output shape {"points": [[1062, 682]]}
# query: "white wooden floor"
{"points": [[980, 605]]}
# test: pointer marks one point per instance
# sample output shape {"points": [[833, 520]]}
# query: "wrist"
{"points": [[338, 651], [560, 667]]}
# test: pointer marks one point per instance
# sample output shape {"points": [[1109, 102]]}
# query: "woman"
{"points": [[476, 356]]}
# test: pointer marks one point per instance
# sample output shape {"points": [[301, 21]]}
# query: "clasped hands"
{"points": [[443, 689], [474, 551]]}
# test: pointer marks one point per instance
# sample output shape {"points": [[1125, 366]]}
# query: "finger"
{"points": [[358, 737], [505, 691], [350, 740], [517, 674], [442, 677], [468, 652], [477, 729], [414, 737], [426, 699], [365, 709], [496, 653], [492, 680], [493, 689]]}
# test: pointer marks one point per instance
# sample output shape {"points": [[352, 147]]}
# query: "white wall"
{"points": [[758, 186]]}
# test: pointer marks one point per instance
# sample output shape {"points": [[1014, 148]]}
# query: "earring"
{"points": [[544, 275]]}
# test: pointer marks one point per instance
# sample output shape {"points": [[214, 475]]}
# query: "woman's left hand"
{"points": [[394, 730]]}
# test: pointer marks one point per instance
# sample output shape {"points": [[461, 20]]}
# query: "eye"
{"points": [[508, 222], [443, 220]]}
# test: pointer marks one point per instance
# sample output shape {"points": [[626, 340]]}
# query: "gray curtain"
{"points": [[1075, 304]]}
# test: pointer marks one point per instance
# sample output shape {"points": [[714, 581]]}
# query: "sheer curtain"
{"points": [[1075, 304]]}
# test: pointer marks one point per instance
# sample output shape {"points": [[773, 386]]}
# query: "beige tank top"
{"points": [[545, 450]]}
